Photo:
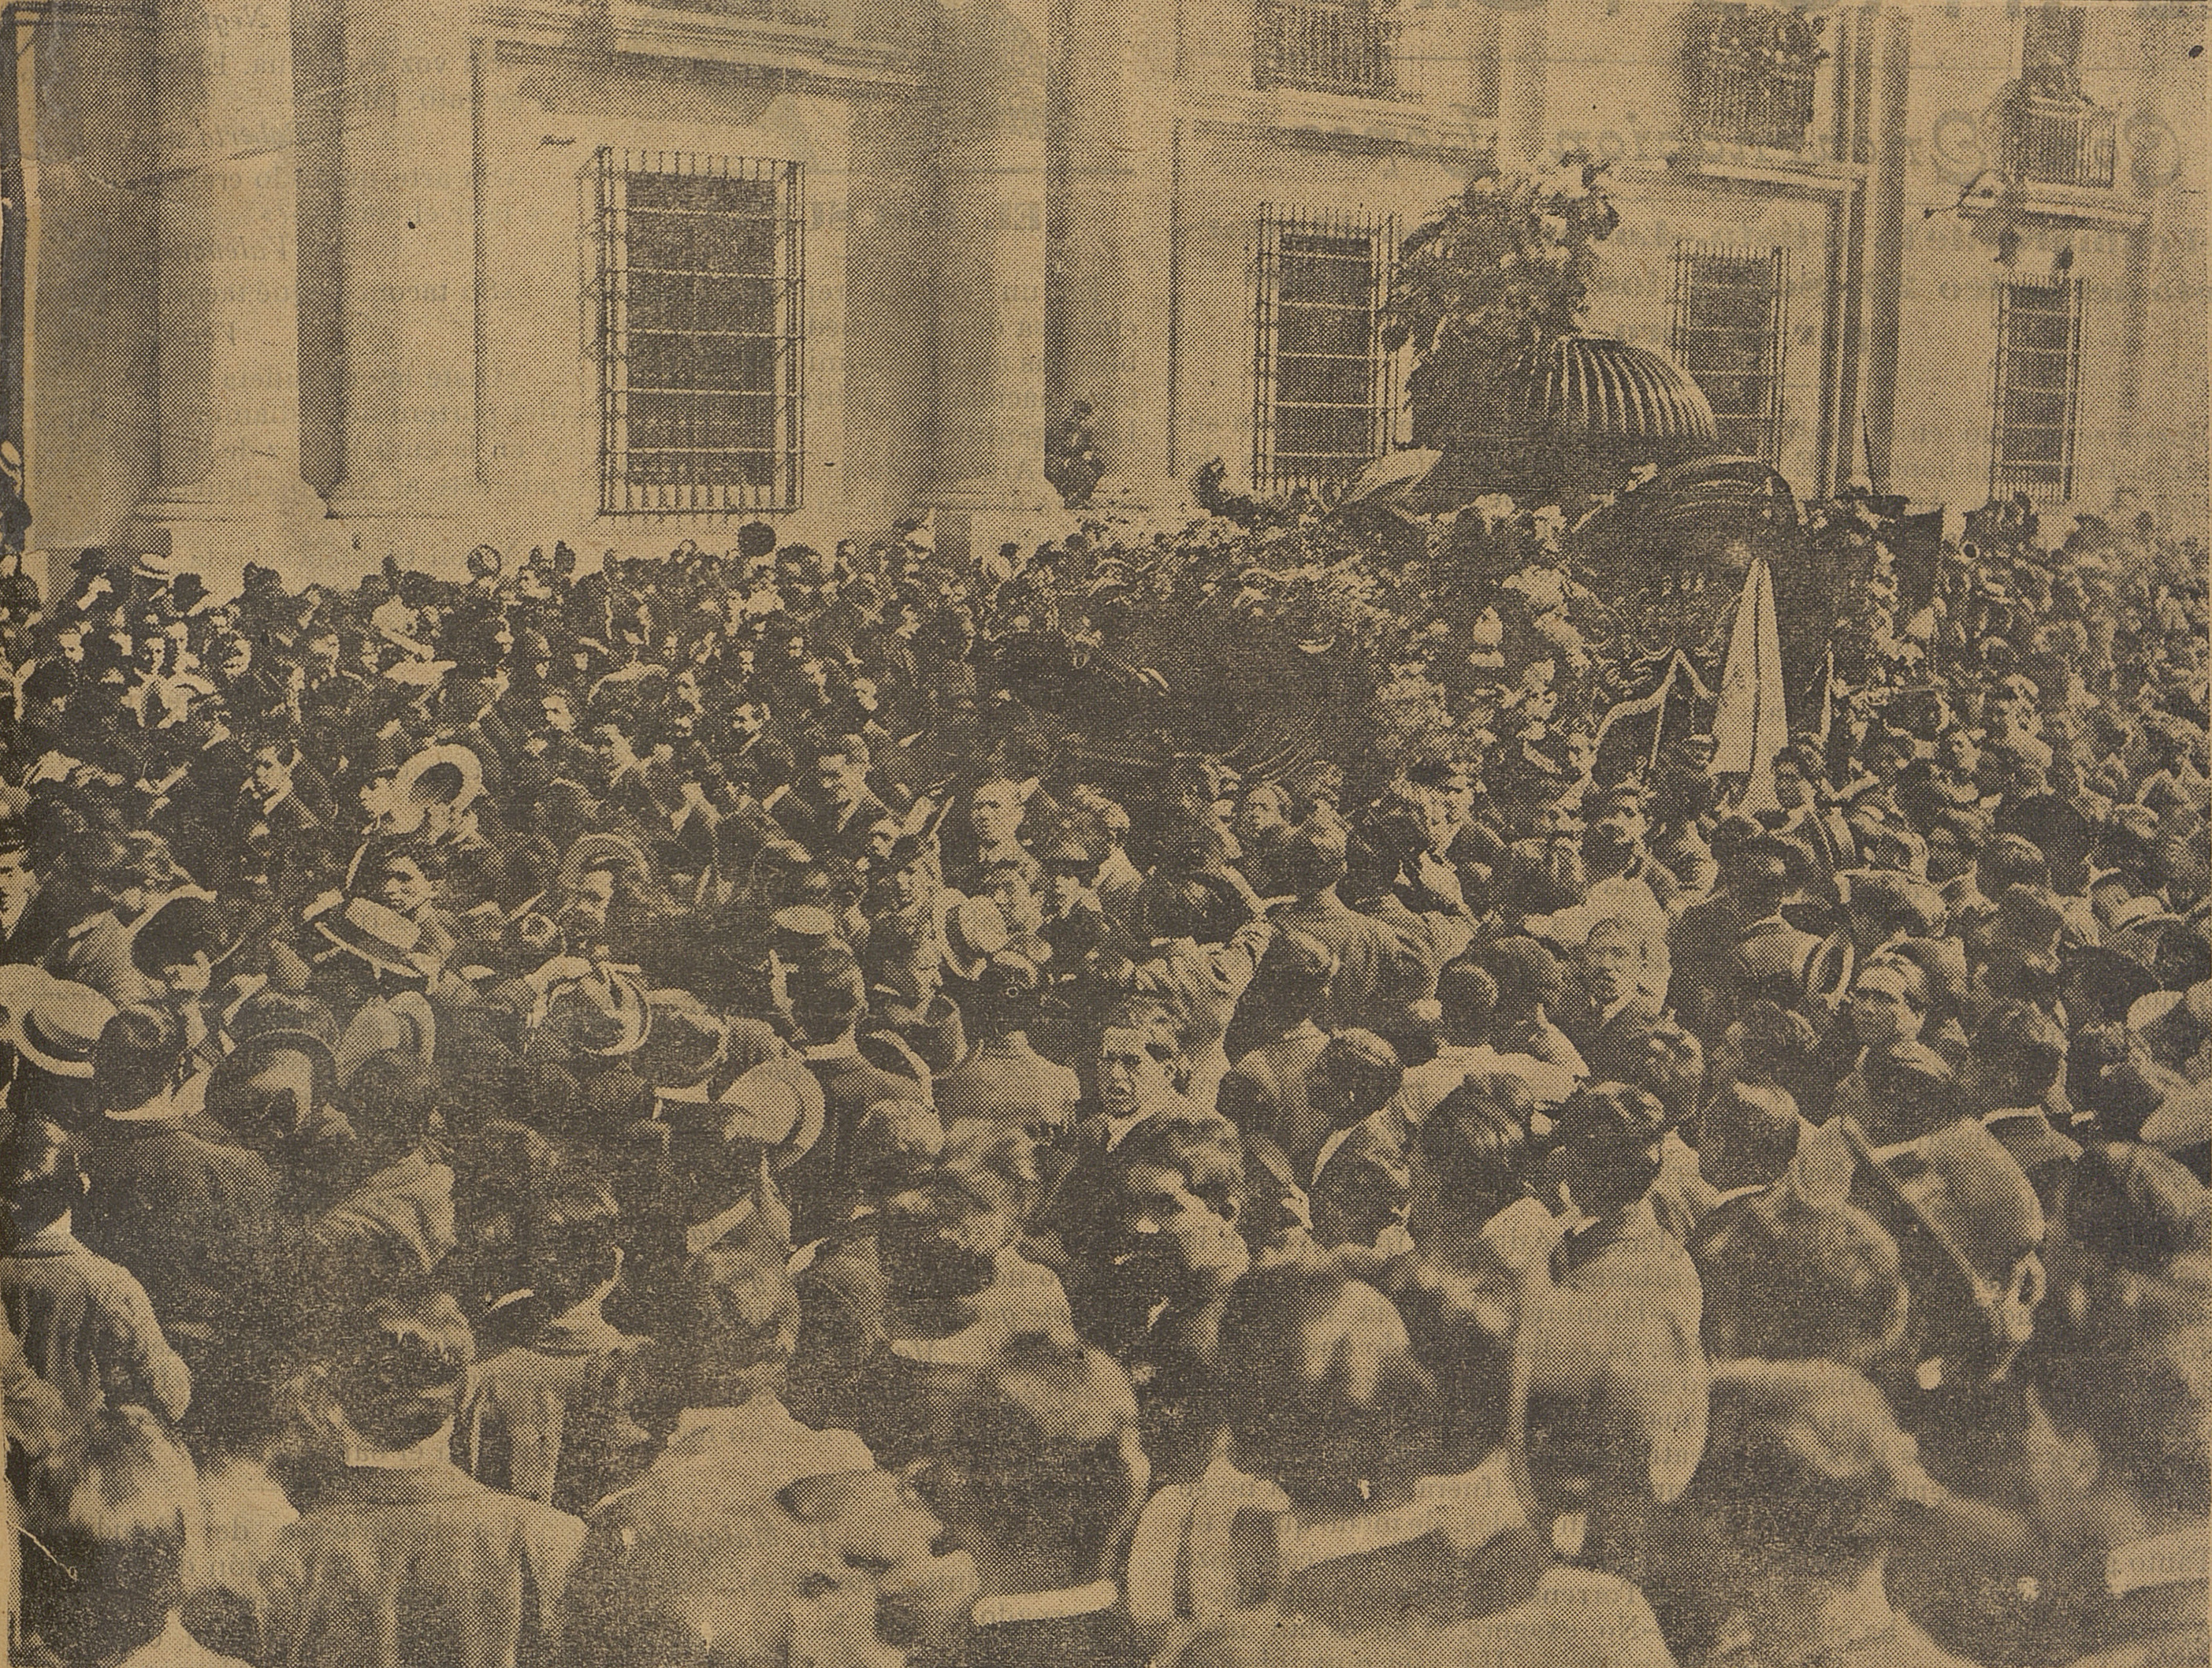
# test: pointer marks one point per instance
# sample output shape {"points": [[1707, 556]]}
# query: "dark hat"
{"points": [[683, 1044], [1011, 975], [2059, 828]]}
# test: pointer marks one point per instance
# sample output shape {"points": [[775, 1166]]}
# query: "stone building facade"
{"points": [[290, 280]]}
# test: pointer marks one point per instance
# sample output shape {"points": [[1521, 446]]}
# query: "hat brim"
{"points": [[376, 954], [52, 1064]]}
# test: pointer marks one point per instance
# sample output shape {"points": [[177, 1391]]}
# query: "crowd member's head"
{"points": [[1352, 1078], [396, 1371], [1747, 1135], [1467, 997], [1314, 858], [826, 1005], [1291, 980], [1178, 1171], [841, 764], [575, 1246], [1972, 1237], [1788, 1278], [1531, 983], [118, 1510], [1890, 1000], [1608, 1138], [1138, 1055], [733, 1325], [1770, 1045], [996, 806], [894, 1148], [1474, 1149], [45, 1179], [19, 875], [2019, 1054], [134, 1063], [1321, 1391], [1035, 1466], [1622, 957], [1799, 1498]]}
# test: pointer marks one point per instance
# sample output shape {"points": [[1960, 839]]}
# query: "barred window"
{"points": [[1326, 393], [1730, 335], [2038, 387], [1343, 46], [702, 327]]}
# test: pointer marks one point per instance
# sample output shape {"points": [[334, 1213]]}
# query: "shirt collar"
{"points": [[1054, 1606], [431, 1454], [845, 1048], [2162, 1560], [51, 1241]]}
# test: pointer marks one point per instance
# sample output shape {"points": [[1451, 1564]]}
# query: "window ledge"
{"points": [[2083, 205], [816, 51], [1344, 118], [1751, 164]]}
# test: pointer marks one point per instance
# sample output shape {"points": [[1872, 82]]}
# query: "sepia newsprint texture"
{"points": [[1081, 834]]}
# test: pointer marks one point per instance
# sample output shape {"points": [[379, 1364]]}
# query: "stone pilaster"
{"points": [[228, 313], [408, 191]]}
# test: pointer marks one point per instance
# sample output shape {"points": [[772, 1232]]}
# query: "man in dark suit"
{"points": [[837, 823], [194, 1219], [826, 1005], [1613, 1028], [1030, 1470], [2018, 1056], [1746, 1138], [34, 915]]}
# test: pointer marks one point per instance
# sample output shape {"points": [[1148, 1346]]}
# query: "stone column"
{"points": [[227, 313], [1118, 255], [1524, 72], [407, 187], [989, 481]]}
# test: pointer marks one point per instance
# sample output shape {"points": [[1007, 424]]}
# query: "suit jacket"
{"points": [[1264, 1094], [194, 1220], [1378, 969], [1009, 1083], [1613, 1047], [819, 829], [419, 1569], [87, 1328], [551, 1420]]}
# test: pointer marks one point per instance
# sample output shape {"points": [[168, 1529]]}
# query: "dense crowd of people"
{"points": [[653, 1116]]}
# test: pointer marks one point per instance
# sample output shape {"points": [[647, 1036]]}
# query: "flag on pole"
{"points": [[1751, 725]]}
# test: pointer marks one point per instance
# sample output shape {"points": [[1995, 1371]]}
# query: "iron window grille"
{"points": [[1346, 46], [2038, 388], [701, 329], [1325, 400], [1731, 334]]}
